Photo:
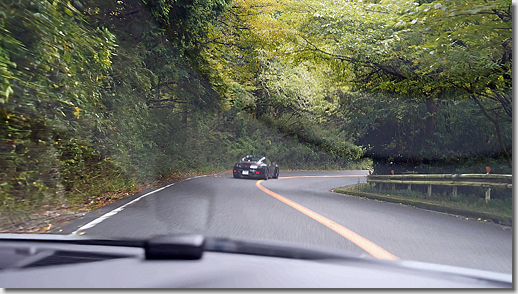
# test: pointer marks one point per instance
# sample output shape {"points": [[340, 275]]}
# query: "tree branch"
{"points": [[386, 69]]}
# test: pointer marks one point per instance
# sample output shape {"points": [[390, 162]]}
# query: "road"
{"points": [[306, 213]]}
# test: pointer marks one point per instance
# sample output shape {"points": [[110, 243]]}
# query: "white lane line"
{"points": [[117, 210]]}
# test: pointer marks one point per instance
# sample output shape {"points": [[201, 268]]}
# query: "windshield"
{"points": [[387, 125]]}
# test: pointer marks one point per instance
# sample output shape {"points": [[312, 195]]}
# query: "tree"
{"points": [[431, 51]]}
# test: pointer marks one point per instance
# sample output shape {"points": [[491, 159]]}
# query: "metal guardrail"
{"points": [[486, 181]]}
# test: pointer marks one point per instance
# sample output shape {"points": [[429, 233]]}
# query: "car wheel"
{"points": [[266, 175], [276, 173], [237, 176]]}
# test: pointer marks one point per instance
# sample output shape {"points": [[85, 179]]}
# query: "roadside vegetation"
{"points": [[469, 203], [99, 99]]}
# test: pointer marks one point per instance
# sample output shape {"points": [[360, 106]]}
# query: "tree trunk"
{"points": [[496, 123], [429, 126]]}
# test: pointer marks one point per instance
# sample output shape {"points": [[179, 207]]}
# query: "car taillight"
{"points": [[235, 171], [257, 172]]}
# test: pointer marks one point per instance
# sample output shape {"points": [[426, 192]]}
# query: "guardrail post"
{"points": [[488, 194], [454, 191], [409, 188], [393, 187], [429, 190]]}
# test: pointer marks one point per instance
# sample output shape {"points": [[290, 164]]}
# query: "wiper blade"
{"points": [[178, 246], [270, 248], [188, 246], [78, 240]]}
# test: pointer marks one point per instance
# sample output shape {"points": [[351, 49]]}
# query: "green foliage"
{"points": [[186, 23], [468, 198], [51, 65], [411, 48], [440, 52]]}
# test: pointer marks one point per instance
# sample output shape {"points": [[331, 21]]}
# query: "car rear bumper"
{"points": [[249, 173]]}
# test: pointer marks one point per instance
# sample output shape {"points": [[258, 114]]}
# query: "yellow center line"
{"points": [[360, 241]]}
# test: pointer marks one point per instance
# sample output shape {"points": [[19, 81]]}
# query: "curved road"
{"points": [[299, 208]]}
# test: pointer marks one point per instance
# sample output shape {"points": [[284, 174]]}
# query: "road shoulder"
{"points": [[430, 205]]}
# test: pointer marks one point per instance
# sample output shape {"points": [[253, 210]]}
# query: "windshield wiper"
{"points": [[188, 246]]}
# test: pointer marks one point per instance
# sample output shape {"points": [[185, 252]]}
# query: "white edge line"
{"points": [[117, 210]]}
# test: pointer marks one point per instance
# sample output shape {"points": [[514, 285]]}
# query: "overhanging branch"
{"points": [[386, 69]]}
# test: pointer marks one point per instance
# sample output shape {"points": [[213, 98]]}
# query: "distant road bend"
{"points": [[298, 208]]}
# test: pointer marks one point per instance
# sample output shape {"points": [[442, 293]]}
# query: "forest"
{"points": [[104, 97]]}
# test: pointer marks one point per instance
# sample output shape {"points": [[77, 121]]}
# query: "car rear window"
{"points": [[251, 158]]}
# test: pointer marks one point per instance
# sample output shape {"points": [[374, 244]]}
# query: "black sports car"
{"points": [[256, 167]]}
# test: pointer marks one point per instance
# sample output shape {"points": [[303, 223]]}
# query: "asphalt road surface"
{"points": [[298, 208]]}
